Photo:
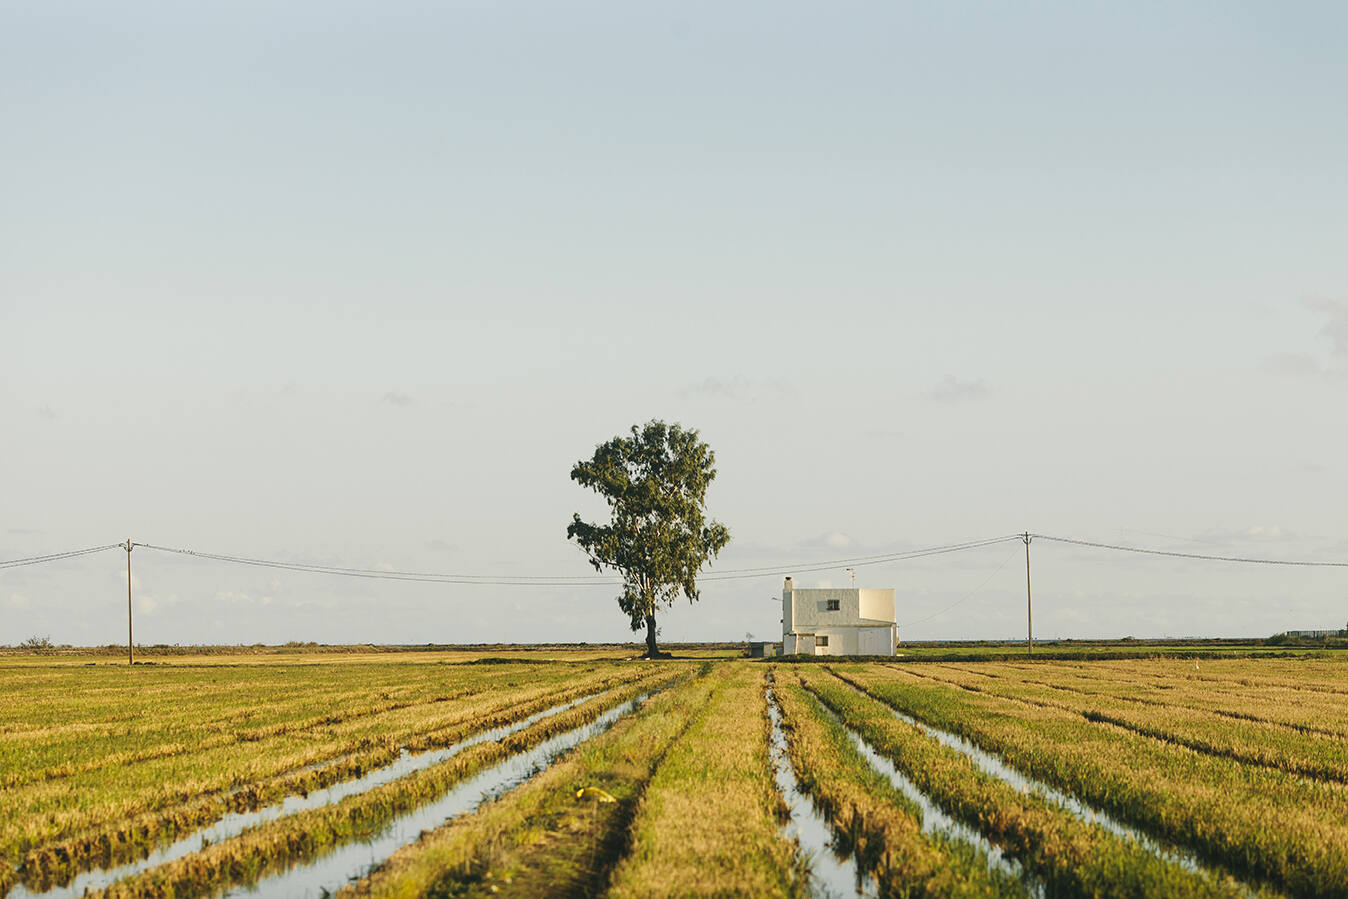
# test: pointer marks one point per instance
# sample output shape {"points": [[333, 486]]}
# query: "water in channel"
{"points": [[233, 824], [831, 874], [991, 764], [936, 821], [326, 875]]}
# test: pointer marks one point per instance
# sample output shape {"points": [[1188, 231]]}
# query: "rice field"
{"points": [[590, 774]]}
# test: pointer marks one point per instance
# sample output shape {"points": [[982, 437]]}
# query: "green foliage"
{"points": [[39, 645], [655, 483]]}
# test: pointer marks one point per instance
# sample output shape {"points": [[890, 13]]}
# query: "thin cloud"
{"points": [[829, 540], [1255, 533], [957, 390], [393, 398], [440, 546], [737, 388], [1336, 324], [1296, 365], [1334, 329]]}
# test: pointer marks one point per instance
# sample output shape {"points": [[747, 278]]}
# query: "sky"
{"points": [[356, 284]]}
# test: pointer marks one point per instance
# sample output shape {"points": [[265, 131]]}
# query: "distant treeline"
{"points": [[40, 646]]}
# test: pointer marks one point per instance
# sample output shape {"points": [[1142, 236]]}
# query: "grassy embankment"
{"points": [[708, 822]]}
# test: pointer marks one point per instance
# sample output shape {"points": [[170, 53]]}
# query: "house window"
{"points": [[821, 641], [833, 605]]}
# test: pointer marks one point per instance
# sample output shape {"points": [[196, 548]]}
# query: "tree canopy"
{"points": [[655, 483]]}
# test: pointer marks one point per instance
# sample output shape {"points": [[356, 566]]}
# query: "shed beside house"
{"points": [[825, 621], [761, 649]]}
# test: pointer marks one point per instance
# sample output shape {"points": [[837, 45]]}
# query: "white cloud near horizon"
{"points": [[959, 390]]}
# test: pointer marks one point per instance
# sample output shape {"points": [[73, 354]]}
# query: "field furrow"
{"points": [[112, 832], [1255, 821], [708, 821], [455, 773], [277, 846], [879, 826], [561, 832], [1248, 741], [1074, 857]]}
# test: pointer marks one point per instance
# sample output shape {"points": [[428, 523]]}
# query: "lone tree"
{"points": [[655, 483]]}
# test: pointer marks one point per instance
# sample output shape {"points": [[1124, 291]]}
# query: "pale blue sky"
{"points": [[357, 283]]}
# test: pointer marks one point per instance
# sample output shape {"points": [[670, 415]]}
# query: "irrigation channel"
{"points": [[235, 823], [831, 873], [936, 822], [326, 875], [841, 874], [996, 767]]}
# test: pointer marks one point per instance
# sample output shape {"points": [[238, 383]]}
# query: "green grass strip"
{"points": [[708, 822]]}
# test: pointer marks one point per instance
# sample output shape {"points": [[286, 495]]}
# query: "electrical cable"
{"points": [[56, 557], [969, 595], [564, 580], [1199, 556], [378, 574], [741, 574]]}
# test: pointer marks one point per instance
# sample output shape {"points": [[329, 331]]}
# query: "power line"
{"points": [[380, 574], [597, 580], [739, 574], [966, 596], [57, 557], [1200, 556], [557, 580]]}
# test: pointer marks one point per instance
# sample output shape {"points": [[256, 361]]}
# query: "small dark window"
{"points": [[833, 605], [821, 641]]}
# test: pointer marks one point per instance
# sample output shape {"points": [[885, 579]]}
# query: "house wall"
{"points": [[809, 608], [842, 641], [855, 641], [878, 605], [875, 641]]}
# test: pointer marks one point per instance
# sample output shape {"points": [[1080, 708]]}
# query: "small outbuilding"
{"points": [[762, 649]]}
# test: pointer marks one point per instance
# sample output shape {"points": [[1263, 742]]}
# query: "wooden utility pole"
{"points": [[130, 651], [1029, 604]]}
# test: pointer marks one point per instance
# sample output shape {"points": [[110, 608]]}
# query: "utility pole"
{"points": [[130, 651], [1029, 604]]}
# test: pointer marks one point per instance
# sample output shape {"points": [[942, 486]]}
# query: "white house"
{"points": [[837, 622]]}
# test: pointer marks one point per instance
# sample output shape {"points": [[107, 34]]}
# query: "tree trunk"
{"points": [[652, 651]]}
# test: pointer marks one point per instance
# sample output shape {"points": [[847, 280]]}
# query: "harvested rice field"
{"points": [[591, 774]]}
